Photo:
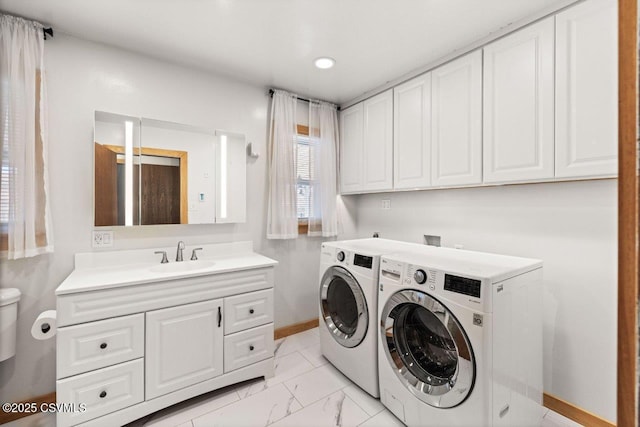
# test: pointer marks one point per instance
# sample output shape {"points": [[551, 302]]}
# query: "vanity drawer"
{"points": [[102, 391], [247, 347], [95, 345], [248, 310]]}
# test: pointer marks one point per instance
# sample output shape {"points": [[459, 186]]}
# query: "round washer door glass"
{"points": [[427, 348], [343, 306]]}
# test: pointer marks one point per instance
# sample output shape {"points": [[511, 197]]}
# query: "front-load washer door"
{"points": [[343, 306], [427, 348]]}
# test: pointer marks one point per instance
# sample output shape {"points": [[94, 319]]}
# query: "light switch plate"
{"points": [[102, 239], [386, 204]]}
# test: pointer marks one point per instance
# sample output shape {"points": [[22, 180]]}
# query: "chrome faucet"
{"points": [[180, 249]]}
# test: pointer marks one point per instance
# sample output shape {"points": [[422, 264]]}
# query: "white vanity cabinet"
{"points": [[587, 90], [132, 342], [518, 110], [183, 346]]}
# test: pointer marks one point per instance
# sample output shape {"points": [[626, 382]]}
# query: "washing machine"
{"points": [[348, 304], [460, 338]]}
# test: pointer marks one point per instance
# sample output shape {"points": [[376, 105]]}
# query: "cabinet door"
{"points": [[456, 133], [587, 90], [412, 133], [352, 126], [183, 346], [518, 115], [378, 142]]}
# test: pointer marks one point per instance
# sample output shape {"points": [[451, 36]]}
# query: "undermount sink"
{"points": [[183, 266]]}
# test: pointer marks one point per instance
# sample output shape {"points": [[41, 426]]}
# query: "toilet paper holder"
{"points": [[45, 325]]}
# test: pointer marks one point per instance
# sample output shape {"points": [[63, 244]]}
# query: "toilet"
{"points": [[9, 298]]}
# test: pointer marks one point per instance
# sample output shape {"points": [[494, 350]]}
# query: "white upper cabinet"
{"points": [[352, 127], [518, 119], [412, 133], [587, 90], [378, 142], [456, 122]]}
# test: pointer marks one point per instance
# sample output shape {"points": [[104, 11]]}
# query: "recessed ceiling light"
{"points": [[325, 62]]}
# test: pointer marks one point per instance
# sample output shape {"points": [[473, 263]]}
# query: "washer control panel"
{"points": [[420, 276], [417, 275]]}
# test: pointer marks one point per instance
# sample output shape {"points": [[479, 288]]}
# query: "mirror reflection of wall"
{"points": [[155, 172]]}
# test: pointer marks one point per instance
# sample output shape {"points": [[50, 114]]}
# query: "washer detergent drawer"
{"points": [[248, 310], [95, 345], [101, 392], [247, 347]]}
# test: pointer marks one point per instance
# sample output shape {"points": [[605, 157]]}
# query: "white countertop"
{"points": [[105, 270]]}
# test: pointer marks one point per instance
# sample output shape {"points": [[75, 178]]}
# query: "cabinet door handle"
{"points": [[103, 345], [103, 394], [219, 316], [250, 348], [251, 311]]}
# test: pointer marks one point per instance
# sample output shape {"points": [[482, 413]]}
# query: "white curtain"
{"points": [[282, 220], [323, 143], [25, 217]]}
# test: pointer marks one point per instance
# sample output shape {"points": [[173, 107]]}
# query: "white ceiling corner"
{"points": [[273, 43]]}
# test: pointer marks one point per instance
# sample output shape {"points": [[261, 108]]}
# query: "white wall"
{"points": [[572, 227], [83, 77]]}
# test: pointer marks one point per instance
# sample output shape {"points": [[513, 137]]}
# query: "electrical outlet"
{"points": [[102, 239], [386, 204]]}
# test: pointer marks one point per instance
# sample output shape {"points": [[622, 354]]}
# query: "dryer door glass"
{"points": [[343, 306], [427, 348]]}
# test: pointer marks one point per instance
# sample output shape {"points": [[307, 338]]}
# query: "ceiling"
{"points": [[272, 43]]}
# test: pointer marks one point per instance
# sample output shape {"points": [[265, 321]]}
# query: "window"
{"points": [[304, 174], [8, 173], [4, 175]]}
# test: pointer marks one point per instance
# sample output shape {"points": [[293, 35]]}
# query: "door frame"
{"points": [[628, 214], [182, 157]]}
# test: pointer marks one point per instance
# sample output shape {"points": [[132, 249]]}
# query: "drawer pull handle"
{"points": [[219, 316], [251, 311], [103, 345], [103, 394], [250, 348]]}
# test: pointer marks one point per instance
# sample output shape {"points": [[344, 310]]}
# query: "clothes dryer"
{"points": [[348, 306]]}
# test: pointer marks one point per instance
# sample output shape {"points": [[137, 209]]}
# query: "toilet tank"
{"points": [[9, 298]]}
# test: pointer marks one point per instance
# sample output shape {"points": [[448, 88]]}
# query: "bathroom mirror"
{"points": [[149, 172]]}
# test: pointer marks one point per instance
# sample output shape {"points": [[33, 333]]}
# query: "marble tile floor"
{"points": [[305, 391]]}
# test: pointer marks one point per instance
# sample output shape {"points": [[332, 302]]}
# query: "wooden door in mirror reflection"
{"points": [[162, 182], [160, 194], [106, 186]]}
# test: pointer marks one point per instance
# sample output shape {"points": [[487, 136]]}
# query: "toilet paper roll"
{"points": [[45, 325]]}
